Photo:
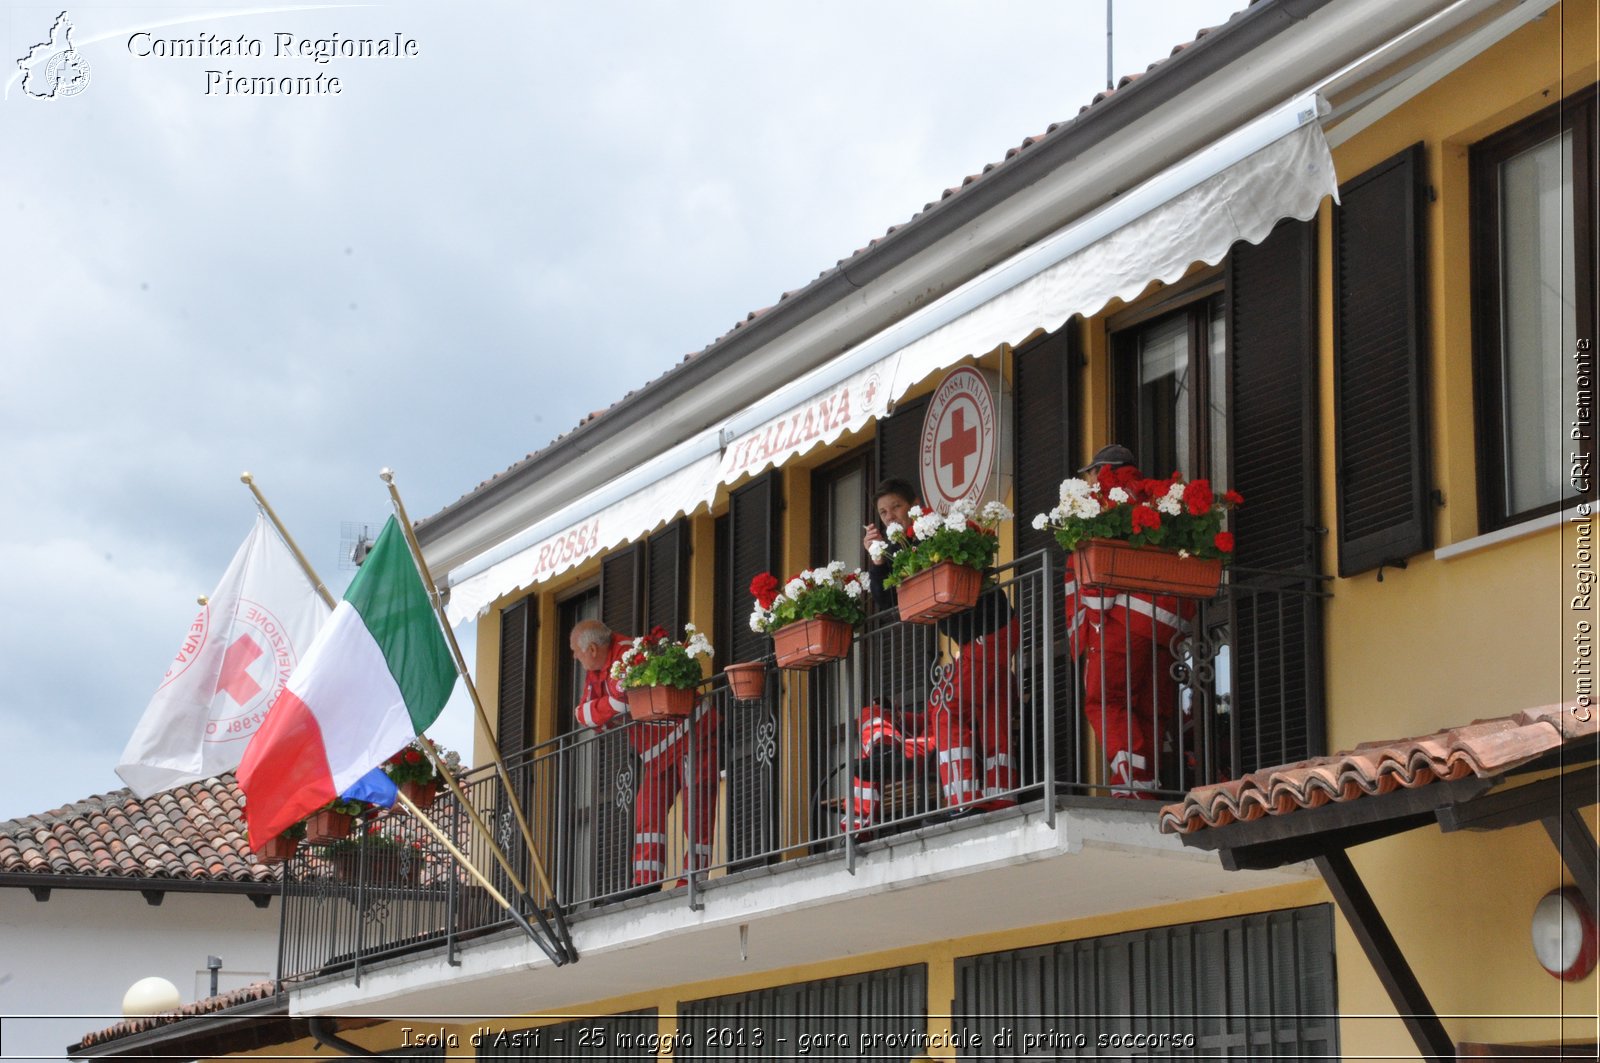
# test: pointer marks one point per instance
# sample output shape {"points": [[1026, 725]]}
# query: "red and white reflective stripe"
{"points": [[648, 865], [649, 839], [677, 732]]}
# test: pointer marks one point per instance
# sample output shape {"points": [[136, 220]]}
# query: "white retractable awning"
{"points": [[1275, 167]]}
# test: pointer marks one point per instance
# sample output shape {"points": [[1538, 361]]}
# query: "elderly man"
{"points": [[666, 767]]}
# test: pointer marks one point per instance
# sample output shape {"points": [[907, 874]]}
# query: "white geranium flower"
{"points": [[1118, 495], [795, 587], [1074, 488], [994, 512], [837, 568], [894, 529], [1040, 521], [1169, 505], [1086, 507], [877, 551], [956, 521], [853, 589], [1175, 492], [758, 621], [822, 577], [927, 525], [1183, 553]]}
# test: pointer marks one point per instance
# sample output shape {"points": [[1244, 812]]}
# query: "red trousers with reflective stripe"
{"points": [[968, 713], [1130, 699], [662, 777]]}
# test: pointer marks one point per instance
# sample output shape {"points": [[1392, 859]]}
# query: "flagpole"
{"points": [[316, 581], [387, 476], [558, 955], [288, 540]]}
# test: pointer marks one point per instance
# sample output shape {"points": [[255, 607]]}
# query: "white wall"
{"points": [[65, 963]]}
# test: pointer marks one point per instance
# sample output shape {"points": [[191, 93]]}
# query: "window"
{"points": [[1533, 277], [1172, 386], [1250, 986]]}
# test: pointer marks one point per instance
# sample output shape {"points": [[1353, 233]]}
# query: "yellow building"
{"points": [[1338, 256]]}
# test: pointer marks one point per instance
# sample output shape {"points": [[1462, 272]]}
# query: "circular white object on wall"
{"points": [[1564, 938]]}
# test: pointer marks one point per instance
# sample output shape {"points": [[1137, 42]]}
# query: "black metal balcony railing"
{"points": [[920, 725]]}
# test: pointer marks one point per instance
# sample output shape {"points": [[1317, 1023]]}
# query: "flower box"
{"points": [[660, 703], [421, 794], [385, 866], [278, 850], [808, 643], [327, 825], [935, 593], [1122, 566], [748, 680]]}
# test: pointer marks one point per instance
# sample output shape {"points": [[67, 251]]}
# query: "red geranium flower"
{"points": [[1127, 476], [765, 589], [658, 633], [1198, 497], [1106, 478], [1145, 518], [1233, 498], [1223, 542], [413, 757]]}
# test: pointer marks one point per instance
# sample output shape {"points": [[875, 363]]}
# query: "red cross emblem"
{"points": [[957, 447], [235, 678]]}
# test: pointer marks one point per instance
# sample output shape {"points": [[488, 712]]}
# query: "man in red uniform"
{"points": [[969, 710], [1124, 641], [666, 767]]}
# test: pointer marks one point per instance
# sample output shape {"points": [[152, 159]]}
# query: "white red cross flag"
{"points": [[233, 663]]}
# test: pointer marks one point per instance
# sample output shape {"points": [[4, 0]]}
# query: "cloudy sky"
{"points": [[438, 269]]}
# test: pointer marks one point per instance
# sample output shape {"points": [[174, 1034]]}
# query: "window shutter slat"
{"points": [[899, 442], [667, 584], [620, 590], [517, 623], [753, 543], [1044, 371], [1380, 332], [1272, 342]]}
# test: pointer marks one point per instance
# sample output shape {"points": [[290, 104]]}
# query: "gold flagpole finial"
{"points": [[203, 599], [245, 477]]}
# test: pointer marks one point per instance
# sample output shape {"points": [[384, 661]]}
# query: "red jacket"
{"points": [[1091, 610]]}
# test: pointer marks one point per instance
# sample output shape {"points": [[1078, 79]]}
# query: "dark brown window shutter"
{"points": [[753, 541], [899, 443], [621, 590], [1044, 371], [753, 545], [1380, 348], [518, 627], [667, 582], [1272, 345]]}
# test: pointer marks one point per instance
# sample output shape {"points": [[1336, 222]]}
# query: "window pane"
{"points": [[845, 518], [1164, 429], [1539, 318], [1217, 364]]}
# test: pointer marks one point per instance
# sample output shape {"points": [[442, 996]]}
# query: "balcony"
{"points": [[781, 812]]}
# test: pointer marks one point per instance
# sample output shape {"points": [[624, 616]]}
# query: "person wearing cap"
{"points": [[1124, 642], [969, 709]]}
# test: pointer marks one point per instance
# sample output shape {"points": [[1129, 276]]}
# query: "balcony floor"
{"points": [[1000, 872]]}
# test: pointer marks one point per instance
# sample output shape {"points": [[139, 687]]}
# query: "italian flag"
{"points": [[378, 673]]}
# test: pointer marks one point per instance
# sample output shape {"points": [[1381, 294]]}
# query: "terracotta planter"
{"points": [[328, 826], [935, 593], [748, 680], [1149, 569], [808, 643], [420, 793], [278, 850], [660, 703]]}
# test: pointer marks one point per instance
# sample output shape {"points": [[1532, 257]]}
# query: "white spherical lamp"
{"points": [[150, 996]]}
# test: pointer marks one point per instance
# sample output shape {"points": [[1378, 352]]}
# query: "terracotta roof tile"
{"points": [[209, 1006], [194, 832], [1484, 748]]}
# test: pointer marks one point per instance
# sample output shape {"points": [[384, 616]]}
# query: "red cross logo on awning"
{"points": [[957, 447], [235, 678]]}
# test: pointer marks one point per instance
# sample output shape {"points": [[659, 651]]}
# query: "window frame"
{"points": [[1576, 113], [1194, 298]]}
